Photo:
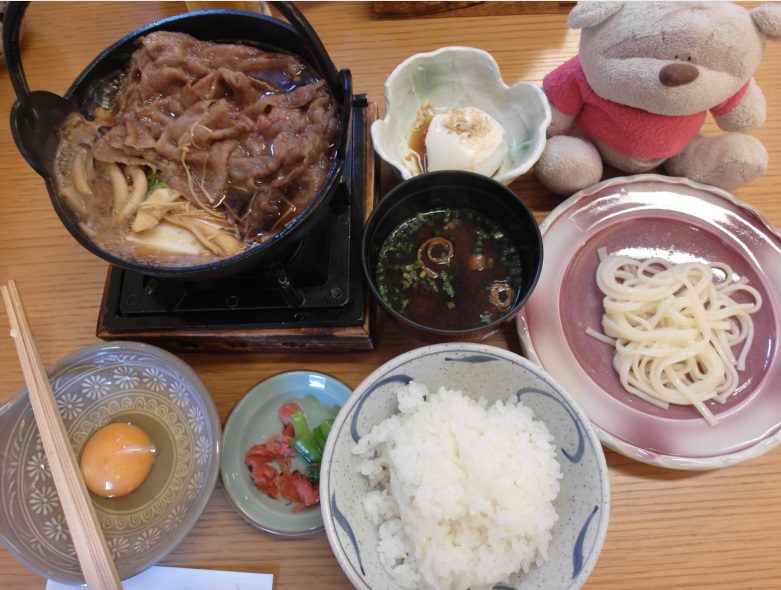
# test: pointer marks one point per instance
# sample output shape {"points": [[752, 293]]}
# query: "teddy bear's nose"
{"points": [[678, 74]]}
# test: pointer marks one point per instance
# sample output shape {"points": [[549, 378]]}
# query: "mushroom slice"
{"points": [[209, 234], [137, 196], [154, 208], [74, 199], [118, 186], [81, 176]]}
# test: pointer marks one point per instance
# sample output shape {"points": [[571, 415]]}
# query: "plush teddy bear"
{"points": [[639, 90]]}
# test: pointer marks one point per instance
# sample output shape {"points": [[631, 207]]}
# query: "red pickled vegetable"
{"points": [[292, 486], [286, 410], [298, 488], [279, 446]]}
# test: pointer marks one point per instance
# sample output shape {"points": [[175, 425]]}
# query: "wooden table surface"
{"points": [[668, 529]]}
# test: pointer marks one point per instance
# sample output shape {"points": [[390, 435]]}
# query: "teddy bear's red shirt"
{"points": [[628, 130]]}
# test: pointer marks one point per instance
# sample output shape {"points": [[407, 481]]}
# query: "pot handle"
{"points": [[34, 114], [323, 62], [12, 25]]}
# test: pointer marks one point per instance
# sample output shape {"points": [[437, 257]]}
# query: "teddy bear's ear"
{"points": [[767, 19], [591, 13]]}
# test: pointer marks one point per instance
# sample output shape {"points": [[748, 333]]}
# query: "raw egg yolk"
{"points": [[117, 459]]}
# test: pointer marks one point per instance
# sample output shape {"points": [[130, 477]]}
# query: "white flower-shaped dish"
{"points": [[453, 77]]}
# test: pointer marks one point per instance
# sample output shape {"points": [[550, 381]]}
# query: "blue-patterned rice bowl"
{"points": [[583, 503]]}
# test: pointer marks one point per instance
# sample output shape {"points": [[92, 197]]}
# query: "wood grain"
{"points": [[716, 530]]}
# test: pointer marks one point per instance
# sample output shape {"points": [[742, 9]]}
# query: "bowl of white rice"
{"points": [[463, 465]]}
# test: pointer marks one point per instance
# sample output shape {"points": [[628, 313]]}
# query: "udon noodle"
{"points": [[674, 328], [198, 151]]}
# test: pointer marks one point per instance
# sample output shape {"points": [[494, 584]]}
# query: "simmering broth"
{"points": [[449, 269], [198, 152]]}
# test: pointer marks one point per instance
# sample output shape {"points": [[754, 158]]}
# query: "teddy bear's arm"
{"points": [[748, 114], [560, 122]]}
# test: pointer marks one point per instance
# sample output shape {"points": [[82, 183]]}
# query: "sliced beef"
{"points": [[247, 131]]}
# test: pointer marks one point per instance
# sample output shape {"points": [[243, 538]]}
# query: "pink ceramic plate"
{"points": [[643, 216]]}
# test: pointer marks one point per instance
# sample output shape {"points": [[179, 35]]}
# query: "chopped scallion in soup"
{"points": [[449, 269]]}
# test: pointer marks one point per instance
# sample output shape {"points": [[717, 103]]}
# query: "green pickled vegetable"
{"points": [[300, 426], [313, 471], [307, 449], [321, 432], [309, 444]]}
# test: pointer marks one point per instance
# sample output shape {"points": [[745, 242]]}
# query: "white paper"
{"points": [[180, 578]]}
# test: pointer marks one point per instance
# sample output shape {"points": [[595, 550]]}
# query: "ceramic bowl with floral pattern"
{"points": [[480, 371], [113, 382]]}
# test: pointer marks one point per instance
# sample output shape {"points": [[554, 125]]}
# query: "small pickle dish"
{"points": [[254, 424]]}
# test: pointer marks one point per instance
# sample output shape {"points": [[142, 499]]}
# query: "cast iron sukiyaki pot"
{"points": [[305, 76]]}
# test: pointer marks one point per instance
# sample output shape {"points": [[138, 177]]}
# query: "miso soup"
{"points": [[449, 269]]}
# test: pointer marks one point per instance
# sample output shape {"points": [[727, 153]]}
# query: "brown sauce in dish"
{"points": [[417, 139], [417, 158]]}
